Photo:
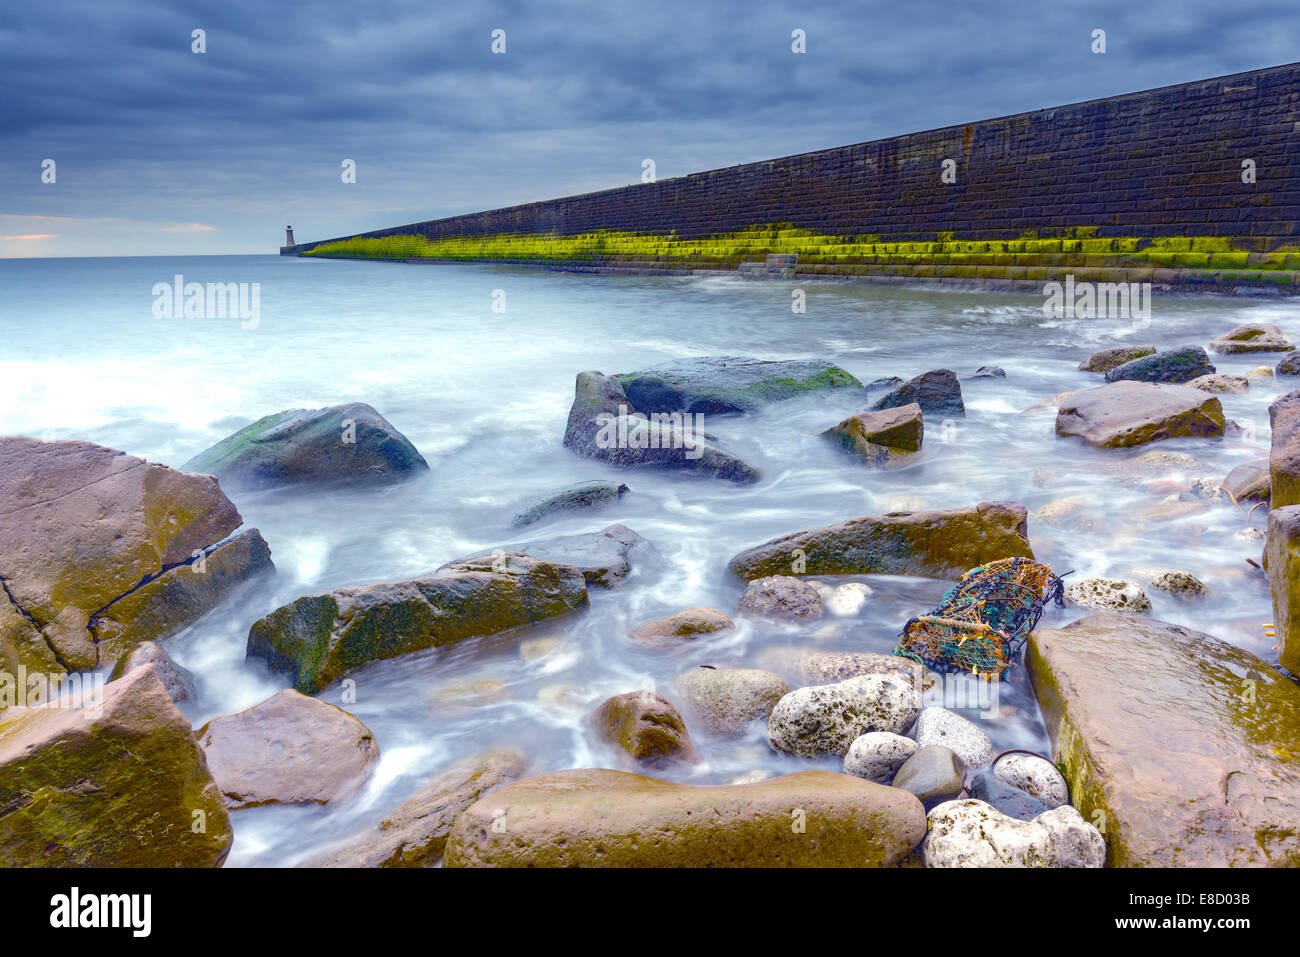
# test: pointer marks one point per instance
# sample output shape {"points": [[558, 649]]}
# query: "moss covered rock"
{"points": [[647, 726], [1252, 337], [1180, 747], [604, 557], [688, 624], [121, 783], [606, 426], [1125, 414], [729, 384], [91, 540], [938, 544], [316, 639], [1173, 366], [340, 444], [600, 818], [1107, 359]]}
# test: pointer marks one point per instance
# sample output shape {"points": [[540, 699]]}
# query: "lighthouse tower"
{"points": [[288, 236], [289, 248]]}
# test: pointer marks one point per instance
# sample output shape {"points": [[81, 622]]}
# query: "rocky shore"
{"points": [[1169, 747]]}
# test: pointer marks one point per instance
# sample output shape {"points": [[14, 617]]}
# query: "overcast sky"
{"points": [[160, 150]]}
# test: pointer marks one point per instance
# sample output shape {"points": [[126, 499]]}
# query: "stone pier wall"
{"points": [[1147, 186]]}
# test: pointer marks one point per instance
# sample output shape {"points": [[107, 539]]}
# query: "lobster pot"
{"points": [[980, 624], [951, 646]]}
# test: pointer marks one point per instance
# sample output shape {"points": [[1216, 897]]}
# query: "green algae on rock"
{"points": [[1181, 748], [97, 545], [338, 444], [729, 384], [122, 785], [938, 544], [316, 639]]}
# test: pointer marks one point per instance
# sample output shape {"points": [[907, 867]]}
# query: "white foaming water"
{"points": [[485, 395]]}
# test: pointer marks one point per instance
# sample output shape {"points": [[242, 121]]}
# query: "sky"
{"points": [[161, 150]]}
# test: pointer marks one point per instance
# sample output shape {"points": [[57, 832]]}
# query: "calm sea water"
{"points": [[484, 396]]}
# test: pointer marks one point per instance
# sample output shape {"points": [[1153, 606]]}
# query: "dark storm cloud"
{"points": [[168, 151]]}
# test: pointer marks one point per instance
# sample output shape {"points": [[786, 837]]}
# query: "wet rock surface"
{"points": [[415, 834], [290, 749], [316, 639], [71, 800], [94, 547], [1125, 414], [1183, 743], [729, 384], [937, 393], [606, 426], [340, 444], [939, 544], [600, 818], [589, 496]]}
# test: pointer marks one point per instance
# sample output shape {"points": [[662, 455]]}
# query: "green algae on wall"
{"points": [[1075, 247]]}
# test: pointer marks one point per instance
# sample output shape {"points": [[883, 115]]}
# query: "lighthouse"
{"points": [[288, 236], [289, 248]]}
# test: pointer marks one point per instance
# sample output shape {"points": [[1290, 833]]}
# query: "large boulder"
{"points": [[339, 444], [1284, 454], [1178, 746], [604, 557], [118, 782], [937, 392], [415, 834], [588, 496], [1124, 414], [884, 438], [1282, 563], [600, 818], [647, 726], [729, 384], [971, 833], [317, 638], [727, 701], [939, 544], [290, 749], [1174, 366], [1252, 337], [93, 544], [605, 426], [827, 719], [1107, 359]]}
